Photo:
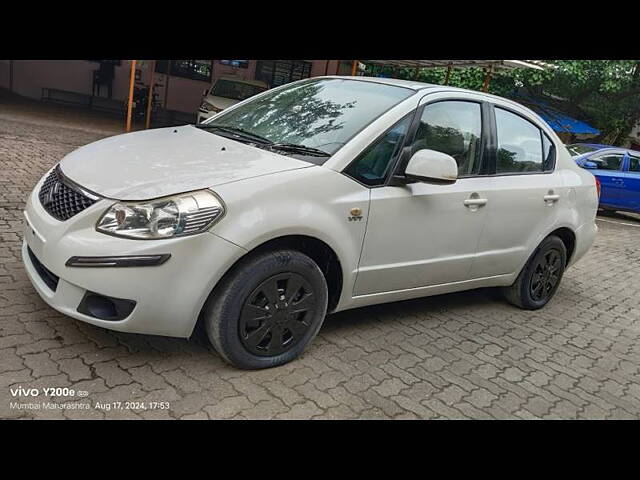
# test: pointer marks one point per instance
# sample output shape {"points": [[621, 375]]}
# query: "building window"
{"points": [[236, 63], [193, 69], [279, 72]]}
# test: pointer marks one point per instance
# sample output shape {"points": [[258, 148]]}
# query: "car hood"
{"points": [[165, 161], [221, 102]]}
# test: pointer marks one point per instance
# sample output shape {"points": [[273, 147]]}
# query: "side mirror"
{"points": [[432, 166], [590, 165]]}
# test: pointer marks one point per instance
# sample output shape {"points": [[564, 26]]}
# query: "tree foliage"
{"points": [[604, 93]]}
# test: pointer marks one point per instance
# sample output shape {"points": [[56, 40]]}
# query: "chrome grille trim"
{"points": [[62, 198]]}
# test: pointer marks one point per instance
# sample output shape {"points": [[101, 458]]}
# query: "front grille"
{"points": [[47, 276], [61, 199]]}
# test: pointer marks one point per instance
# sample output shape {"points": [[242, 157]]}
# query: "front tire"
{"points": [[539, 279], [267, 309]]}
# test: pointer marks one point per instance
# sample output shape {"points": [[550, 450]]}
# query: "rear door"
{"points": [[525, 194], [609, 172]]}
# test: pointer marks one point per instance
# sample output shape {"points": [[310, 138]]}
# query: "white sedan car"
{"points": [[318, 196], [227, 91]]}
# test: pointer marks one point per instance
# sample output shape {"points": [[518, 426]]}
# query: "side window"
{"points": [[372, 167], [548, 153], [634, 163], [611, 161], [521, 145], [454, 128]]}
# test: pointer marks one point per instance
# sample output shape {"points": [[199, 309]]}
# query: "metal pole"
{"points": [[326, 68], [150, 99], [130, 102], [354, 67], [448, 75], [487, 79]]}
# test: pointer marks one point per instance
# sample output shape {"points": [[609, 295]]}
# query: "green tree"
{"points": [[604, 93]]}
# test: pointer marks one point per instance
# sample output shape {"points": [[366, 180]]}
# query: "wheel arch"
{"points": [[318, 250], [568, 237]]}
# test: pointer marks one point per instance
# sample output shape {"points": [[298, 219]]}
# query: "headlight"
{"points": [[183, 214], [206, 107]]}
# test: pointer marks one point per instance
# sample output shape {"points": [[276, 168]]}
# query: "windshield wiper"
{"points": [[235, 132], [239, 133], [302, 149]]}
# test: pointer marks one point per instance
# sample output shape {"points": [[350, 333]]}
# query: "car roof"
{"points": [[613, 149], [605, 151], [386, 81], [602, 150], [598, 146], [418, 86]]}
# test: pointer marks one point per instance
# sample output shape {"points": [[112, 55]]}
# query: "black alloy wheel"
{"points": [[540, 278], [277, 314], [546, 274], [267, 309]]}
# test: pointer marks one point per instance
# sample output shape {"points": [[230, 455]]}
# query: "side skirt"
{"points": [[410, 293]]}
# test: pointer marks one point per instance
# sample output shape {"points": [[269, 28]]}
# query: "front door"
{"points": [[609, 172], [423, 234], [630, 193]]}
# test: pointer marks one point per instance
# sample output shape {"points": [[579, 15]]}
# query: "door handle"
{"points": [[551, 198], [475, 202]]}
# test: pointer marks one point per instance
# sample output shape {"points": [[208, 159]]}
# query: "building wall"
{"points": [[30, 76], [182, 94], [5, 73]]}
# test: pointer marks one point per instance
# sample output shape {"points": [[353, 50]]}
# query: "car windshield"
{"points": [[235, 90], [578, 149], [321, 114]]}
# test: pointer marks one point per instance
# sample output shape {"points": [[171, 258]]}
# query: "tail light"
{"points": [[598, 187]]}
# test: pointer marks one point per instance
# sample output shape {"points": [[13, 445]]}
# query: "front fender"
{"points": [[315, 202]]}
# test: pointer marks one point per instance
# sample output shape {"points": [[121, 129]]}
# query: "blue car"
{"points": [[577, 149], [618, 172]]}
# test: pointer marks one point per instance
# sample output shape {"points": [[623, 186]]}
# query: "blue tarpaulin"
{"points": [[557, 120]]}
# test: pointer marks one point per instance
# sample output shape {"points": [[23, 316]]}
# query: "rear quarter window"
{"points": [[522, 146]]}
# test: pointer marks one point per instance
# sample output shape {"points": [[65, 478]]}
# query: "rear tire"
{"points": [[539, 279], [267, 309]]}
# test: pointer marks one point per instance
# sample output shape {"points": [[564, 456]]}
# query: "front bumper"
{"points": [[168, 297]]}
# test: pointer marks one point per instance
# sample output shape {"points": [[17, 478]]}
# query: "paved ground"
{"points": [[467, 355]]}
